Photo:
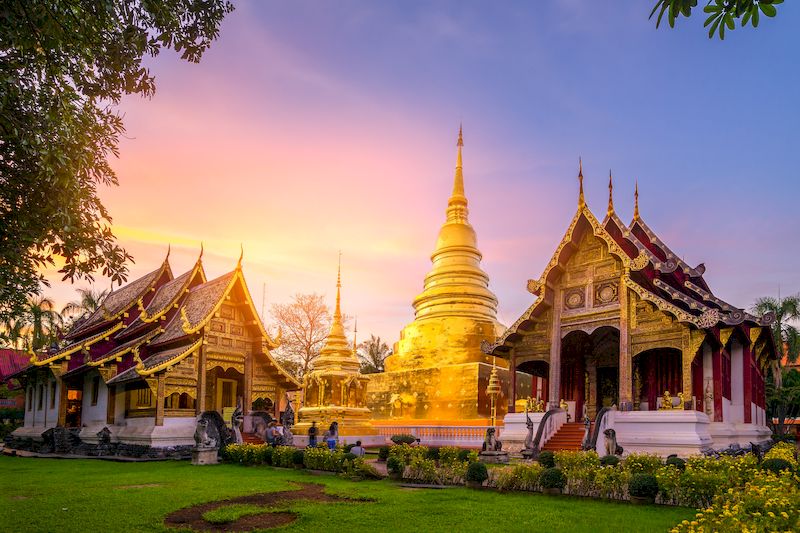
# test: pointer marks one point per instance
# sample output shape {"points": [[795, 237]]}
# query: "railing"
{"points": [[601, 423], [465, 436], [549, 426]]}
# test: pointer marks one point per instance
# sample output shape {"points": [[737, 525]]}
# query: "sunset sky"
{"points": [[310, 127]]}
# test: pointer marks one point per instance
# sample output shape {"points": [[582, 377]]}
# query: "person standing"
{"points": [[312, 435], [332, 435]]}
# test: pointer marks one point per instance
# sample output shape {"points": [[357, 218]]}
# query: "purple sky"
{"points": [[311, 127]]}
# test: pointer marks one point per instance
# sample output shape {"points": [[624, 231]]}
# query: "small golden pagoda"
{"points": [[334, 390], [438, 371]]}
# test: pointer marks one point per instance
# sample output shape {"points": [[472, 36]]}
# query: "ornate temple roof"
{"points": [[655, 273], [120, 301]]}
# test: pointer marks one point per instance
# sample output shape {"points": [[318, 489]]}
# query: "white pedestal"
{"points": [[663, 433], [515, 431]]}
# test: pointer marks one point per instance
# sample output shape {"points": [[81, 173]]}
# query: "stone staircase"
{"points": [[251, 438], [569, 437]]}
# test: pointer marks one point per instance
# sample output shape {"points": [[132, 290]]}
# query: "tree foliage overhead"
{"points": [[64, 66], [721, 13]]}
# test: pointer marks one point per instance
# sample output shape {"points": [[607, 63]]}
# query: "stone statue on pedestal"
{"points": [[237, 418], [492, 450], [205, 446]]}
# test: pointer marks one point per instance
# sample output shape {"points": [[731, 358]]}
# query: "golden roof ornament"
{"points": [[636, 201], [581, 198], [610, 194]]}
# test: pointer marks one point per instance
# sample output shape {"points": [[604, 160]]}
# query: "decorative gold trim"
{"points": [[725, 335], [660, 303], [78, 346], [144, 340], [166, 364]]}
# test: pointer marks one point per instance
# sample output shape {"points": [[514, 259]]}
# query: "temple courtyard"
{"points": [[90, 495]]}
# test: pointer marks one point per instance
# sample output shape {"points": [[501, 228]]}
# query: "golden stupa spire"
{"points": [[456, 271], [337, 313], [610, 194], [336, 352], [457, 204], [355, 335], [581, 199], [636, 201]]}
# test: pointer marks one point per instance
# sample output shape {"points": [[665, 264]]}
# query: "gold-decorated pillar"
{"points": [[625, 361]]}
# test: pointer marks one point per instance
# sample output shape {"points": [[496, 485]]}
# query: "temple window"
{"points": [[39, 404], [30, 398], [52, 395]]}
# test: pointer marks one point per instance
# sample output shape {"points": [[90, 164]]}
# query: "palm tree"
{"points": [[373, 353], [12, 333], [786, 335], [42, 323], [89, 302]]}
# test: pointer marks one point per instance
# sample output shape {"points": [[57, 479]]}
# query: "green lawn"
{"points": [[89, 495]]}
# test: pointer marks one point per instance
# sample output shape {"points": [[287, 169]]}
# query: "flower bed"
{"points": [[448, 466]]}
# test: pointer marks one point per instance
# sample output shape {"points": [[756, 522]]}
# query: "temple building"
{"points": [[335, 390], [157, 352], [620, 321], [437, 375]]}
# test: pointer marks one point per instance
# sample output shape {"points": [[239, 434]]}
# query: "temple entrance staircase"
{"points": [[569, 437], [251, 438]]}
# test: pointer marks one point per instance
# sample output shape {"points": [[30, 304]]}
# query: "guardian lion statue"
{"points": [[490, 443], [612, 448], [201, 437]]}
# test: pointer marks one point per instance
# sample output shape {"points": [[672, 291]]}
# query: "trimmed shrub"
{"points": [[297, 457], [422, 471], [358, 468], [477, 472], [776, 465], [783, 450], [547, 459], [643, 486], [407, 453], [552, 478], [348, 447], [642, 463], [463, 454], [349, 456], [403, 439], [395, 465], [283, 456], [519, 477], [677, 462], [450, 455], [611, 482], [433, 453], [609, 460], [383, 453]]}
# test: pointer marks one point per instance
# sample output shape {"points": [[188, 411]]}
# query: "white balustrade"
{"points": [[463, 436]]}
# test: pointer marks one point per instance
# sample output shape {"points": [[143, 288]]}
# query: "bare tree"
{"points": [[372, 353], [305, 323]]}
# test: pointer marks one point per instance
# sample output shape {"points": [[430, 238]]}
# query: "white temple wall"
{"points": [[94, 407], [737, 383]]}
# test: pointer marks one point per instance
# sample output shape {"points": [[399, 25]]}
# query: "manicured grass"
{"points": [[89, 495]]}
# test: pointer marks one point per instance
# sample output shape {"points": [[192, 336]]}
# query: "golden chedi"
{"points": [[334, 390], [438, 371]]}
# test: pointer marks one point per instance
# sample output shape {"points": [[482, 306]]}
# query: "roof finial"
{"points": [[457, 204], [355, 334], [202, 249], [169, 250], [610, 194], [460, 135], [581, 199], [636, 201], [337, 313], [241, 255]]}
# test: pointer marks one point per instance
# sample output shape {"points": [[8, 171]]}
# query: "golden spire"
{"points": [[456, 271], [636, 201], [355, 335], [241, 256], [610, 194], [336, 352], [457, 204], [581, 199], [337, 313]]}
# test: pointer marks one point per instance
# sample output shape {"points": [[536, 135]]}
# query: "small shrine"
{"points": [[335, 390]]}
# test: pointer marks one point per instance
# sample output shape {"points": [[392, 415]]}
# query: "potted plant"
{"points": [[643, 489], [383, 454], [395, 467], [297, 458], [476, 475], [552, 481]]}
